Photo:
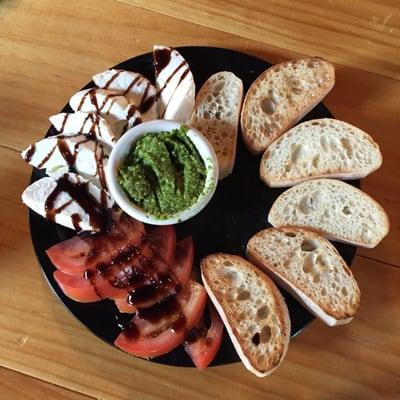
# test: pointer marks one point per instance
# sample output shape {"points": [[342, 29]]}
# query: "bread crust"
{"points": [[274, 217], [345, 173], [323, 310], [208, 267], [221, 132], [294, 111]]}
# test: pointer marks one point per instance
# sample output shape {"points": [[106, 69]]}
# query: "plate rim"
{"points": [[42, 257]]}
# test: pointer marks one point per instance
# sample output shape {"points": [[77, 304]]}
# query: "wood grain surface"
{"points": [[48, 50], [360, 33], [14, 385]]}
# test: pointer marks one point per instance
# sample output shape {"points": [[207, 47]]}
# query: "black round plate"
{"points": [[238, 209]]}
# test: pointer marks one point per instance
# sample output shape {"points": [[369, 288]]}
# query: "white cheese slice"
{"points": [[36, 195], [61, 153], [84, 123], [175, 84], [134, 86], [115, 109]]}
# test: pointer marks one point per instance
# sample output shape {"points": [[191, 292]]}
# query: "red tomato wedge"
{"points": [[163, 240], [202, 345], [158, 330], [75, 255], [123, 306], [184, 256], [76, 287], [181, 268]]}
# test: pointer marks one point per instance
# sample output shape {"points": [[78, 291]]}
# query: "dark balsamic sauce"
{"points": [[175, 71], [156, 313], [92, 94], [112, 79], [148, 103], [90, 276], [195, 334], [183, 76], [132, 331], [162, 57], [29, 154], [79, 192], [70, 157], [131, 111], [76, 220], [47, 158], [66, 116], [130, 86]]}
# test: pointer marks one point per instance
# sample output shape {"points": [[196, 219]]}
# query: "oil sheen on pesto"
{"points": [[163, 173]]}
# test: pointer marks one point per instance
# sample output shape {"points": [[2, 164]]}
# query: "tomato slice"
{"points": [[123, 306], [75, 255], [76, 288], [202, 345], [181, 268], [157, 331], [163, 241], [184, 257]]}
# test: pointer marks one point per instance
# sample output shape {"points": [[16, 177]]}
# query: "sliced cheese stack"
{"points": [[174, 83], [113, 107], [86, 124], [135, 87], [71, 201], [78, 153]]}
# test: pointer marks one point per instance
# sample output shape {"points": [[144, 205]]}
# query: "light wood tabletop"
{"points": [[50, 48]]}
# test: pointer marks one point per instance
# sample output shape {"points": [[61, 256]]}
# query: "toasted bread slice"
{"points": [[310, 268], [334, 208], [321, 148], [216, 116], [281, 96], [252, 308]]}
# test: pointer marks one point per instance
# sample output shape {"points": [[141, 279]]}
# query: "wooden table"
{"points": [[49, 48]]}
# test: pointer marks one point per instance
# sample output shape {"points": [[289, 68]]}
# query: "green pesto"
{"points": [[163, 173]]}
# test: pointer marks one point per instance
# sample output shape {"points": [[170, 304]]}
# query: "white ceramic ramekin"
{"points": [[123, 147]]}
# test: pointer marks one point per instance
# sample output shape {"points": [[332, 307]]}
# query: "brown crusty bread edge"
{"points": [[290, 123], [327, 235], [298, 294], [344, 174], [284, 316]]}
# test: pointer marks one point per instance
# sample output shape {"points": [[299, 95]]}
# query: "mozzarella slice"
{"points": [[116, 109], [77, 153], [134, 86], [69, 200], [174, 83], [84, 123]]}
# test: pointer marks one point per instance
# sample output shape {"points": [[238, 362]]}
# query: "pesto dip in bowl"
{"points": [[162, 172]]}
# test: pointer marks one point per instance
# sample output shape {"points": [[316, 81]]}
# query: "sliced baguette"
{"points": [[321, 148], [334, 208], [310, 268], [281, 96], [252, 308], [216, 116]]}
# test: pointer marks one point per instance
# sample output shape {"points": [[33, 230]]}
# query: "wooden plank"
{"points": [[361, 34], [40, 338], [41, 68], [16, 386]]}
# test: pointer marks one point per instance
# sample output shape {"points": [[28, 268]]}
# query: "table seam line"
{"points": [[251, 39], [47, 381], [378, 261]]}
